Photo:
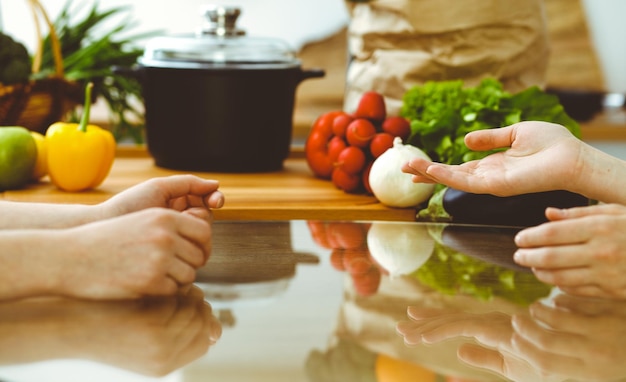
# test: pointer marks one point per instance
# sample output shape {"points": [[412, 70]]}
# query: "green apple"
{"points": [[18, 155]]}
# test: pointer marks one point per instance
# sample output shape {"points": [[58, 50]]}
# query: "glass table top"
{"points": [[329, 301]]}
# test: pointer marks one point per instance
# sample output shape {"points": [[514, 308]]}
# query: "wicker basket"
{"points": [[39, 103]]}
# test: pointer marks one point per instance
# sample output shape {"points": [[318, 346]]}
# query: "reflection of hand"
{"points": [[150, 336], [492, 331], [581, 250], [576, 338]]}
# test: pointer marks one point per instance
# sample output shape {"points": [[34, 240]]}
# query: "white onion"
{"points": [[390, 185], [400, 248]]}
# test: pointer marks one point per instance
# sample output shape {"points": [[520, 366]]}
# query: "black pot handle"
{"points": [[311, 73]]}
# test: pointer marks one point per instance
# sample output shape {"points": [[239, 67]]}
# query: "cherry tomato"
{"points": [[349, 183], [371, 106], [351, 160], [324, 123], [335, 146], [340, 124], [398, 127], [381, 143], [360, 132], [316, 152]]}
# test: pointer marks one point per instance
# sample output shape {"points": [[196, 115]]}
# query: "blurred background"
{"points": [[317, 30]]}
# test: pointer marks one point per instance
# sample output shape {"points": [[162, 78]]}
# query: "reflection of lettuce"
{"points": [[452, 272]]}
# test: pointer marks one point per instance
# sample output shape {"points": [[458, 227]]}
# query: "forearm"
{"points": [[31, 262], [18, 215], [601, 177]]}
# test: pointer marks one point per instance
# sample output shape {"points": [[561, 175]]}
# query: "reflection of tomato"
{"points": [[318, 232], [356, 261], [347, 235], [336, 259], [367, 284], [348, 242]]}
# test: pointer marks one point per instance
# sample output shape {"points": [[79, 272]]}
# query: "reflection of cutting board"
{"points": [[248, 252]]}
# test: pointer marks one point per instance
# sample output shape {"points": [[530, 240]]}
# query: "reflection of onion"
{"points": [[400, 248]]}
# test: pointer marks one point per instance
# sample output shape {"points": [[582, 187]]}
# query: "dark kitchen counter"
{"points": [[288, 309]]}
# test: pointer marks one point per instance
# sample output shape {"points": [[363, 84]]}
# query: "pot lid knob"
{"points": [[220, 20]]}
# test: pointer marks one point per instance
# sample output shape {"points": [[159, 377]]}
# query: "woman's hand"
{"points": [[178, 192], [155, 251], [541, 156], [581, 250]]}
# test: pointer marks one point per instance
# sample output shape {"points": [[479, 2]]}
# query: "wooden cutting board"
{"points": [[292, 193]]}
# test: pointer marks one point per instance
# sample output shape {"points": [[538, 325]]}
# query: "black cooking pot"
{"points": [[218, 100]]}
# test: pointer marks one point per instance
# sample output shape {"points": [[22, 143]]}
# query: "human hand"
{"points": [[187, 193], [541, 157], [152, 336], [573, 338], [493, 347], [581, 250], [150, 252]]}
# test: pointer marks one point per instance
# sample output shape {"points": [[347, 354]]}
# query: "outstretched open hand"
{"points": [[541, 156]]}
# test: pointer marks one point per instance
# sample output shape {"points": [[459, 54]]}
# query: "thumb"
{"points": [[489, 139]]}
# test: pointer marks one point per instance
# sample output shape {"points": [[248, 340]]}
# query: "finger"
{"points": [[181, 272], [553, 257], [411, 332], [191, 253], [177, 186], [550, 316], [555, 339], [483, 358], [489, 139], [563, 277], [215, 200], [416, 166], [195, 229], [200, 213], [544, 361], [577, 212], [592, 290], [554, 233], [420, 313]]}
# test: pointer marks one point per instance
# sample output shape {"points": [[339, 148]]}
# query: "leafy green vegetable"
{"points": [[451, 272], [14, 61], [91, 46], [441, 113]]}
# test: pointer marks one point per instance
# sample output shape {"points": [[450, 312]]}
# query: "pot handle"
{"points": [[311, 73]]}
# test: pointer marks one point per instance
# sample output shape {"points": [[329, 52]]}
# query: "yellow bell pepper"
{"points": [[80, 155]]}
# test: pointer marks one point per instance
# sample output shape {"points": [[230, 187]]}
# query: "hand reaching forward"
{"points": [[541, 157], [178, 192]]}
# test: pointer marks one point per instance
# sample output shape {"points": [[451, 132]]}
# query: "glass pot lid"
{"points": [[217, 43]]}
